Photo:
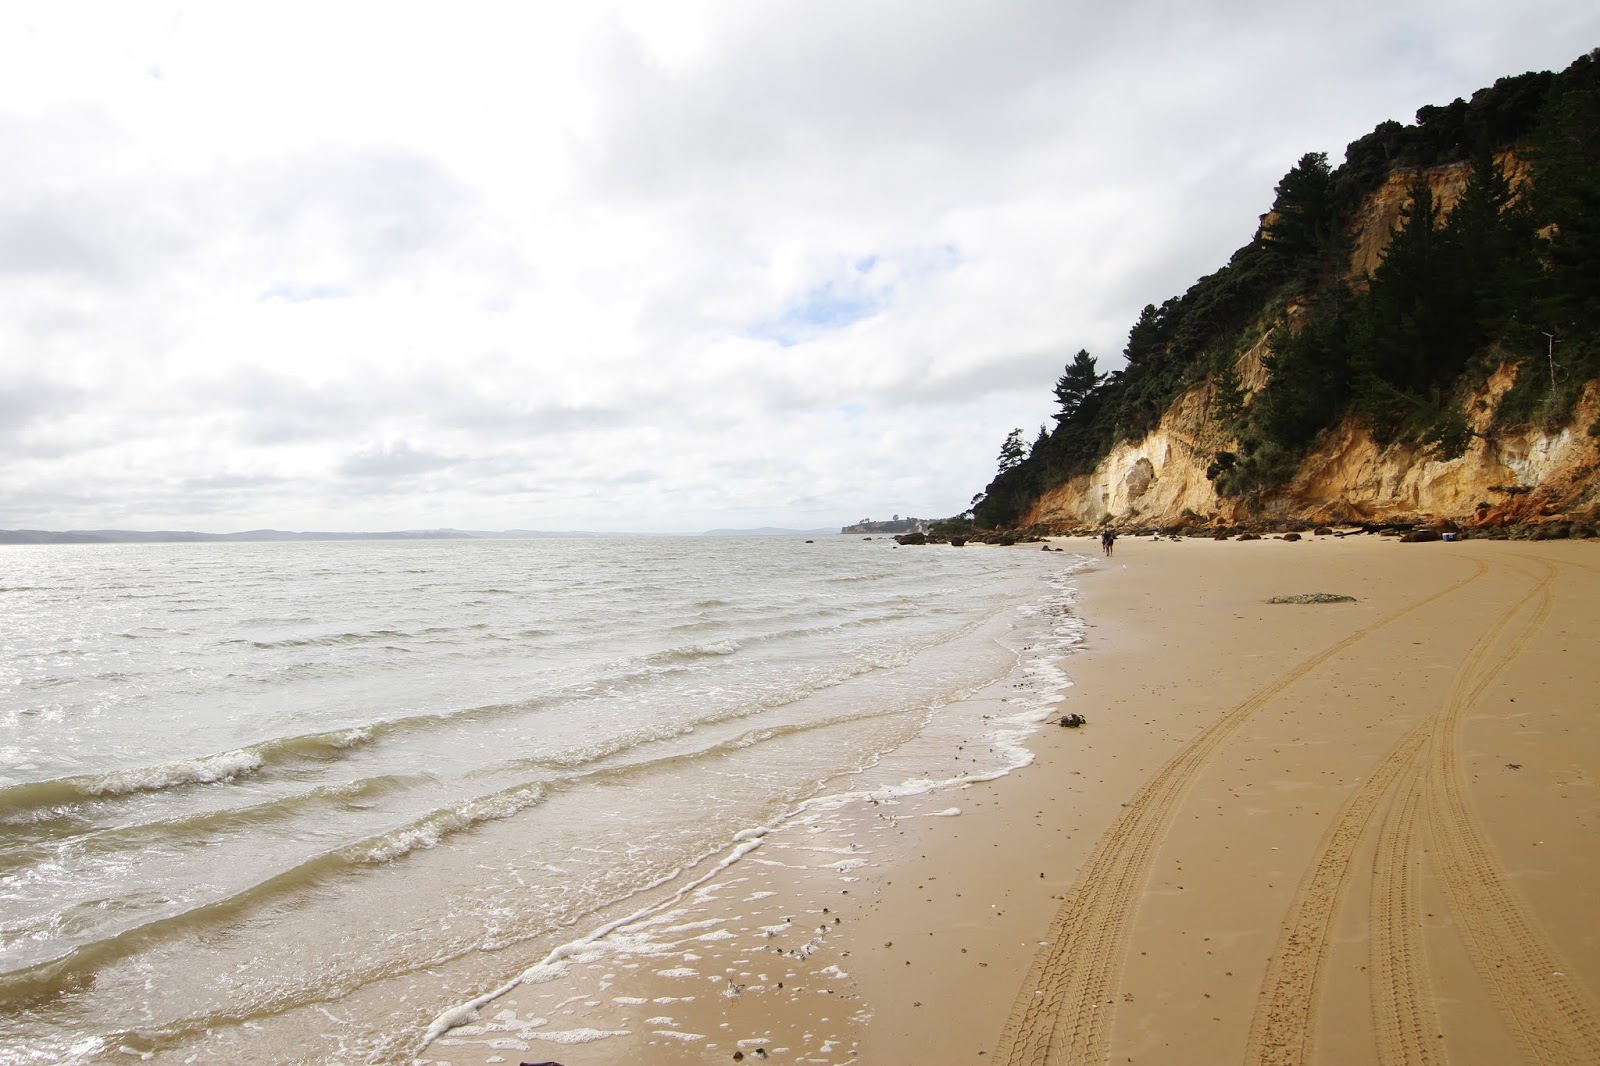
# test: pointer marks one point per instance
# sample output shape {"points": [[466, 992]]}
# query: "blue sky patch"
{"points": [[827, 307], [866, 288], [296, 294]]}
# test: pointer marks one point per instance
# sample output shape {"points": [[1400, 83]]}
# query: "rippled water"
{"points": [[244, 785]]}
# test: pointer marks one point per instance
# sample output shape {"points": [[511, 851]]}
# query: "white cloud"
{"points": [[645, 265]]}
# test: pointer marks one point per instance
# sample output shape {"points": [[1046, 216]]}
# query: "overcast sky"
{"points": [[659, 266]]}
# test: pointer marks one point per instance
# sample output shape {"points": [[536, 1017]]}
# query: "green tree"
{"points": [[1013, 451], [1304, 217], [1074, 387], [1146, 337]]}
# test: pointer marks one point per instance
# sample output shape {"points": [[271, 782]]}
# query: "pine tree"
{"points": [[1074, 387], [1304, 215], [1013, 451]]}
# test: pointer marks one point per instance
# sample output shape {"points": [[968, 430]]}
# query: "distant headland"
{"points": [[893, 525]]}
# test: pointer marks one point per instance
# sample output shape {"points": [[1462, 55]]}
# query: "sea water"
{"points": [[294, 800]]}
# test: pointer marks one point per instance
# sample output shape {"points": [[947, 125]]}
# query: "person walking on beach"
{"points": [[1108, 540]]}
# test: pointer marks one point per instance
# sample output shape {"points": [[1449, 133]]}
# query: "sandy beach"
{"points": [[1341, 832]]}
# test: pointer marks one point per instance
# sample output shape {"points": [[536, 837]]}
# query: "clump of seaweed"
{"points": [[1314, 597]]}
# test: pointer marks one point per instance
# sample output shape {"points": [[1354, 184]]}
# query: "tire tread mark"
{"points": [[1281, 1028], [1552, 1018], [1402, 1004], [1405, 1022], [1063, 1012]]}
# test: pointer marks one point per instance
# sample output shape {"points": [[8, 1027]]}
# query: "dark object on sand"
{"points": [[1420, 535], [541, 1064], [1314, 597], [1072, 721]]}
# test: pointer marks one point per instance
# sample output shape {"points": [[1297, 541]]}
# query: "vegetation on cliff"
{"points": [[1507, 275]]}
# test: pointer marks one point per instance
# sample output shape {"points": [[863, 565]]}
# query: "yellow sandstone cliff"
{"points": [[1517, 475]]}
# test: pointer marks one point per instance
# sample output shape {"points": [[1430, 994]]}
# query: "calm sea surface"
{"points": [[252, 795]]}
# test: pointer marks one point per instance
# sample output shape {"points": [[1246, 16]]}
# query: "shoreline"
{"points": [[1280, 822]]}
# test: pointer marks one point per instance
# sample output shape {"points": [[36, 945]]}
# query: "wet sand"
{"points": [[1323, 833]]}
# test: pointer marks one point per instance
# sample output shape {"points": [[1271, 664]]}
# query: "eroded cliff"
{"points": [[1520, 474]]}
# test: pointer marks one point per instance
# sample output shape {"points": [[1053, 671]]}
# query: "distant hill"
{"points": [[894, 525]]}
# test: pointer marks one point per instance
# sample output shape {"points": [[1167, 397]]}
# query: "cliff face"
{"points": [[1513, 475], [1154, 480], [1380, 212], [1517, 475], [1507, 475]]}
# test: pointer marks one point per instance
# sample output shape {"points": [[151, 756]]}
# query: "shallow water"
{"points": [[294, 800]]}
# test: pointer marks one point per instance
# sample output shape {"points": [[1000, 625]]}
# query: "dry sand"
{"points": [[1322, 833]]}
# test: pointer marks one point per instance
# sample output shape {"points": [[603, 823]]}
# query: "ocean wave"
{"points": [[325, 641], [49, 977], [212, 769], [691, 652], [428, 832], [204, 826], [206, 770], [585, 764]]}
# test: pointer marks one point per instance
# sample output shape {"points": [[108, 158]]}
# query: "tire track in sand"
{"points": [[1406, 1026], [1063, 1012], [1404, 1022], [1281, 1030], [1552, 1016]]}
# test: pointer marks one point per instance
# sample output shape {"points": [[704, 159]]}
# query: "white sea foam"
{"points": [[845, 865], [202, 771], [428, 832], [544, 971], [577, 1036]]}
